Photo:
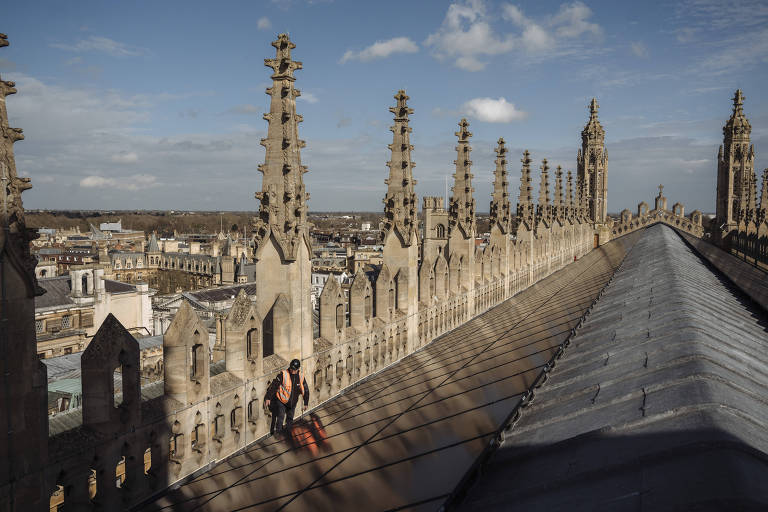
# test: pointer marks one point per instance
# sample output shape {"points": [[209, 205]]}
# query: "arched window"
{"points": [[252, 343], [339, 316], [268, 333], [368, 306], [440, 231]]}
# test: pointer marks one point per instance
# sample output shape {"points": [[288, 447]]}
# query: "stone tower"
{"points": [[736, 180], [435, 236], [525, 208], [281, 232], [461, 218], [592, 165], [23, 389], [153, 253], [400, 233]]}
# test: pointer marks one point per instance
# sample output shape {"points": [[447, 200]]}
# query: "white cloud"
{"points": [[308, 97], [102, 45], [492, 110], [571, 21], [467, 36], [263, 23], [246, 109], [639, 49], [131, 183], [125, 157], [74, 134], [381, 49]]}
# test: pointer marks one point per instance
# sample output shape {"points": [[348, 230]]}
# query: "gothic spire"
{"points": [[283, 197], [462, 205], [400, 203], [593, 131], [544, 209], [763, 210], [500, 197], [558, 201], [525, 199], [738, 126], [14, 236], [592, 166], [569, 195]]}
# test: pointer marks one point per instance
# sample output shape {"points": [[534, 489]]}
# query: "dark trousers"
{"points": [[280, 411]]}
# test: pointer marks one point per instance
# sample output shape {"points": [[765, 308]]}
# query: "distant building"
{"points": [[74, 306]]}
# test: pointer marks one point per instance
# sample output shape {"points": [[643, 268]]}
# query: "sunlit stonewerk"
{"points": [[423, 395]]}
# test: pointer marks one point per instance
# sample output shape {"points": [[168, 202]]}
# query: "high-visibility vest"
{"points": [[284, 391]]}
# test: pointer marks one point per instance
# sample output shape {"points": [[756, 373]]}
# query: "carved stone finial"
{"points": [[500, 208], [400, 202], [525, 200], [738, 100], [593, 106], [283, 196], [661, 190], [462, 204]]}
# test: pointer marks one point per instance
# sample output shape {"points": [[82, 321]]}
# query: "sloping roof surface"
{"points": [[57, 292], [118, 287], [405, 436], [223, 293], [660, 402]]}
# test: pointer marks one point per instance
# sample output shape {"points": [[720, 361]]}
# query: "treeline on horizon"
{"points": [[165, 223]]}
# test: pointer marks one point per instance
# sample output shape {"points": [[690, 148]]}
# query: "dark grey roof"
{"points": [[660, 402], [223, 293], [117, 287], [57, 293], [153, 245]]}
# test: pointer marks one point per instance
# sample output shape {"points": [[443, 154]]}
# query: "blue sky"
{"points": [[132, 105]]}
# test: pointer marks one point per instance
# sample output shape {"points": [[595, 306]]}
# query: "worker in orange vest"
{"points": [[283, 394]]}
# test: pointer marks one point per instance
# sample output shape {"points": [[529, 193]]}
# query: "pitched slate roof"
{"points": [[57, 293], [660, 402]]}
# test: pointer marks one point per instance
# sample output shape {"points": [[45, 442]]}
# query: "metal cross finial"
{"points": [[738, 98]]}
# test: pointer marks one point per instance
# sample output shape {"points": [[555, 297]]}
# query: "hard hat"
{"points": [[295, 364]]}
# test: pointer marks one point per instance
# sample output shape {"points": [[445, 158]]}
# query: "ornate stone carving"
{"points": [[500, 209], [400, 203], [14, 235], [282, 212], [462, 204]]}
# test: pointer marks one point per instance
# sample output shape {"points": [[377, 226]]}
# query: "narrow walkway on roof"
{"points": [[659, 403], [405, 437]]}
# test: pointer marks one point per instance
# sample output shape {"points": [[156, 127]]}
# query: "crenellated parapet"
{"points": [[675, 217]]}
